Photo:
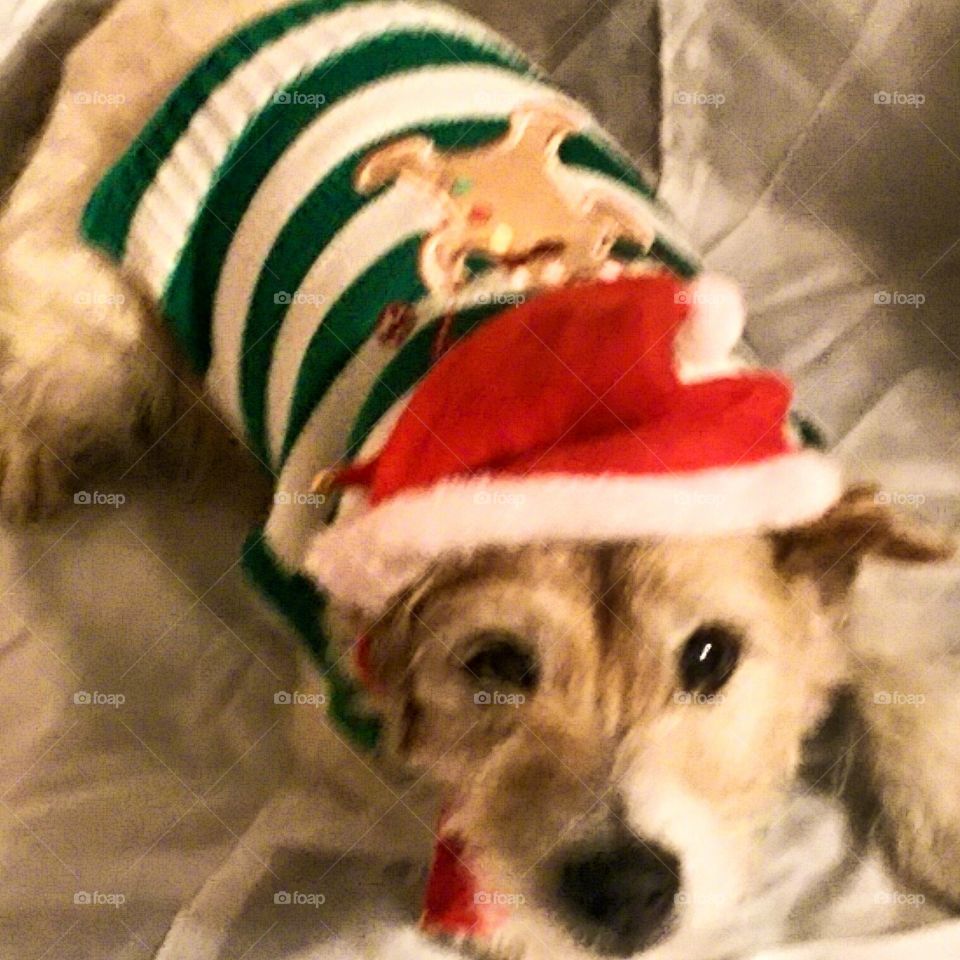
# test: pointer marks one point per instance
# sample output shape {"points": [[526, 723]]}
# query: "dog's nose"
{"points": [[621, 898]]}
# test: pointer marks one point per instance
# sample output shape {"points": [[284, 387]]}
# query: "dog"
{"points": [[613, 718]]}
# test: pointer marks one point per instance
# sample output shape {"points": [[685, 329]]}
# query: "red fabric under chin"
{"points": [[454, 904], [450, 904]]}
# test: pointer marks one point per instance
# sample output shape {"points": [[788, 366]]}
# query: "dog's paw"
{"points": [[34, 481]]}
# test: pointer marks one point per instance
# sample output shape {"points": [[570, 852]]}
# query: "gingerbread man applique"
{"points": [[507, 202]]}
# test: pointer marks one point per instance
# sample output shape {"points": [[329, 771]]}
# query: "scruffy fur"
{"points": [[605, 742]]}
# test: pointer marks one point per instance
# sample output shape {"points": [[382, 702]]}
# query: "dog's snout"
{"points": [[620, 899]]}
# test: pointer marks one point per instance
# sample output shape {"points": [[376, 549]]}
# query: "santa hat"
{"points": [[597, 412]]}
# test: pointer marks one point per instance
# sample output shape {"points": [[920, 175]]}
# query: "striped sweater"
{"points": [[235, 209]]}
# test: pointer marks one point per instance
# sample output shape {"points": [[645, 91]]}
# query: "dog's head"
{"points": [[617, 723]]}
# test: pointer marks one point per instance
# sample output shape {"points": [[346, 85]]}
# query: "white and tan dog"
{"points": [[654, 690]]}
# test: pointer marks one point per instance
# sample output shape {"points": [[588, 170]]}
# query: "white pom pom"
{"points": [[715, 322]]}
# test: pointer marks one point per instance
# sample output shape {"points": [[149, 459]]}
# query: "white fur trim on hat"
{"points": [[715, 321], [366, 560]]}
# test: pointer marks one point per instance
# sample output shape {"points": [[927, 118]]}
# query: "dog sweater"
{"points": [[298, 298]]}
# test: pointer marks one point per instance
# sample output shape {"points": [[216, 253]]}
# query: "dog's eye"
{"points": [[709, 658], [502, 657]]}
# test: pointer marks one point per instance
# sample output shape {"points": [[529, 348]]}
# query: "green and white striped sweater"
{"points": [[235, 209]]}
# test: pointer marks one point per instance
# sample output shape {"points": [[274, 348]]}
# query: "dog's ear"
{"points": [[386, 669], [829, 551], [376, 655]]}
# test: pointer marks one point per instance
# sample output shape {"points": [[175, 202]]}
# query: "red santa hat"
{"points": [[596, 412]]}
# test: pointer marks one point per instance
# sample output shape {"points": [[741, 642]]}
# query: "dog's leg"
{"points": [[296, 819], [907, 699], [200, 931], [80, 372], [912, 715]]}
